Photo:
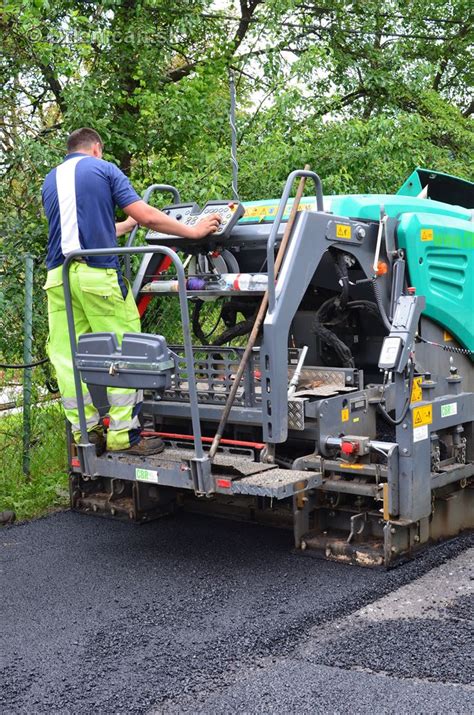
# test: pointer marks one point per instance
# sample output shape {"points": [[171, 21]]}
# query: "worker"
{"points": [[79, 199]]}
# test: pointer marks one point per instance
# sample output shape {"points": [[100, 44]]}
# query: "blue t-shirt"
{"points": [[79, 200]]}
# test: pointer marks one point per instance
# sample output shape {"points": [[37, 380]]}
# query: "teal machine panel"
{"points": [[437, 236], [440, 254]]}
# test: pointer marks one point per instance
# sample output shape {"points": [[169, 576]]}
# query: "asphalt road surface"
{"points": [[191, 614]]}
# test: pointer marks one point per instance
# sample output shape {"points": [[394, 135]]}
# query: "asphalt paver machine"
{"points": [[352, 418]]}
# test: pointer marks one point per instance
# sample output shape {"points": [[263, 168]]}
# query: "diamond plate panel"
{"points": [[296, 413], [311, 377]]}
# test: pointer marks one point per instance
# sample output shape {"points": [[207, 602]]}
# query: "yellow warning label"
{"points": [[422, 416], [348, 465], [356, 419], [416, 391], [426, 234], [447, 337], [343, 231], [256, 212], [345, 415]]}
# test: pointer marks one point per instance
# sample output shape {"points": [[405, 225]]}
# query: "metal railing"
{"points": [[188, 348], [163, 188], [276, 225]]}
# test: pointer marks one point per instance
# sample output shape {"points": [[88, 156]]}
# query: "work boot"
{"points": [[97, 437], [7, 517], [145, 447]]}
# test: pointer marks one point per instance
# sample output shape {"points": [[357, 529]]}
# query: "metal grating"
{"points": [[215, 369]]}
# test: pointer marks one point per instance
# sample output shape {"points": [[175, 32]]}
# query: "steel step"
{"points": [[224, 463], [232, 473], [275, 483]]}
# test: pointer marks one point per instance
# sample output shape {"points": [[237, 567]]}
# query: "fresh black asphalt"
{"points": [[193, 614]]}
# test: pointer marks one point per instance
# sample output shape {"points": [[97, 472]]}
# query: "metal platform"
{"points": [[276, 483], [232, 473]]}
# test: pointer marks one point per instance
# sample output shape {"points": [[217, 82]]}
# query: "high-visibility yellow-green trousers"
{"points": [[98, 306]]}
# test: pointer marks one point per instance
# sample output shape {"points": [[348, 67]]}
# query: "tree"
{"points": [[364, 91]]}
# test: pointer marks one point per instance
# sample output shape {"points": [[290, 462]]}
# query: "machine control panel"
{"points": [[190, 214], [180, 212], [229, 211]]}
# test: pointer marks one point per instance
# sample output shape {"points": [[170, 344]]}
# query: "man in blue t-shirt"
{"points": [[79, 199]]}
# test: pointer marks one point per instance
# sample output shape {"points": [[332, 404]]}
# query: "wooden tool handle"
{"points": [[258, 320]]}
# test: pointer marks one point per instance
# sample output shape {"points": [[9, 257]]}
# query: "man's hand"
{"points": [[123, 227], [150, 217], [207, 225]]}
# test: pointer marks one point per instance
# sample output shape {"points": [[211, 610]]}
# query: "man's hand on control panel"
{"points": [[205, 226], [150, 217]]}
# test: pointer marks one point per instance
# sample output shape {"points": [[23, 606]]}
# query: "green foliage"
{"points": [[364, 91], [47, 486]]}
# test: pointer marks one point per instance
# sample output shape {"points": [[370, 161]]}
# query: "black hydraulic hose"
{"points": [[343, 276], [235, 331], [367, 305], [395, 421], [341, 350], [380, 304], [242, 328], [196, 325], [23, 366], [51, 387]]}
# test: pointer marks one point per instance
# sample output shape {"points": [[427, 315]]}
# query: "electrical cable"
{"points": [[380, 305], [395, 421], [447, 348], [23, 366], [343, 275]]}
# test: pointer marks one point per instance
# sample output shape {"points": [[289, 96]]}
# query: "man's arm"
{"points": [[123, 227], [148, 216]]}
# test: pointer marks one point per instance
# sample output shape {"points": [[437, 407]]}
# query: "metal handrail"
{"points": [[188, 348], [276, 225], [146, 198]]}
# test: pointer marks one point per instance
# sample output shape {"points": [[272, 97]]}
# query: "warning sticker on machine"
{"points": [[422, 415], [420, 433], [426, 234], [416, 391], [146, 475], [343, 231], [449, 410], [257, 211]]}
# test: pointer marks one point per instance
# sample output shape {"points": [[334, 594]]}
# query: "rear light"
{"points": [[349, 448], [224, 483], [75, 462]]}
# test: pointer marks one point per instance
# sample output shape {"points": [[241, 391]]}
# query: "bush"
{"points": [[46, 487]]}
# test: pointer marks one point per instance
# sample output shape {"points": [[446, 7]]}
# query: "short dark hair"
{"points": [[82, 138]]}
